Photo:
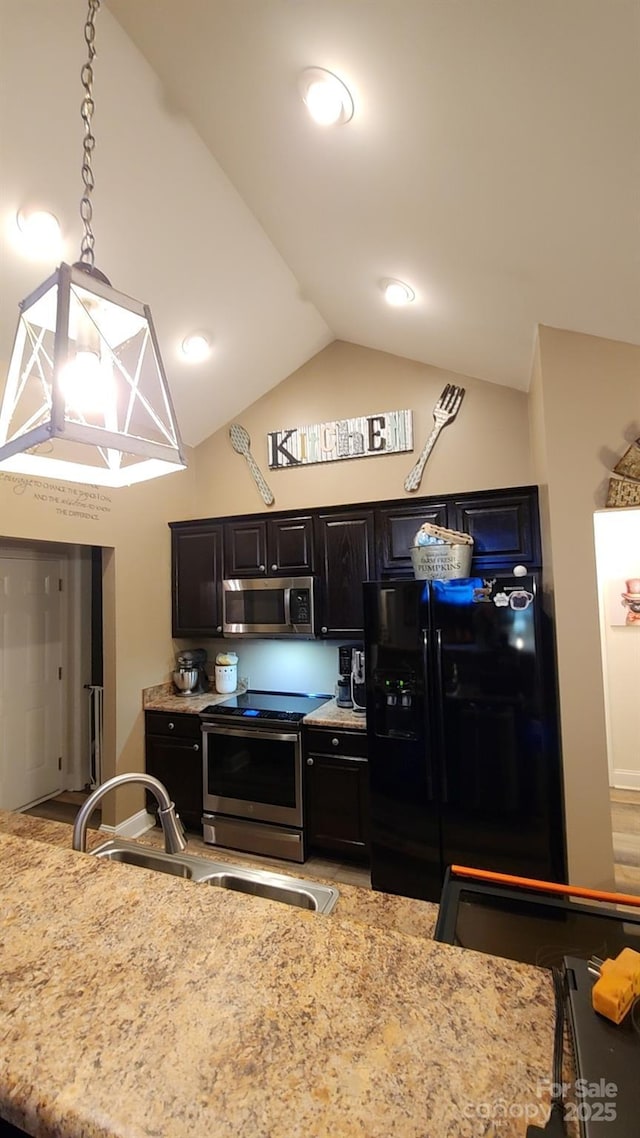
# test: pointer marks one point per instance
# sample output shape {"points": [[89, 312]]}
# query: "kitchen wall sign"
{"points": [[364, 437]]}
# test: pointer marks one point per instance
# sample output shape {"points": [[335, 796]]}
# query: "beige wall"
{"points": [[132, 524], [487, 446], [586, 401]]}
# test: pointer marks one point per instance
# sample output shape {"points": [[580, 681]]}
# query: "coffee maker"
{"points": [[190, 677], [358, 683], [345, 664]]}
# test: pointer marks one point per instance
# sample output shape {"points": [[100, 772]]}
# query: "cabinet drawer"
{"points": [[328, 742], [173, 724]]}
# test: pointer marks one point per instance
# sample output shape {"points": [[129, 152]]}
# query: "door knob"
{"points": [[324, 628], [274, 568], [309, 762], [336, 742], [171, 726], [196, 746]]}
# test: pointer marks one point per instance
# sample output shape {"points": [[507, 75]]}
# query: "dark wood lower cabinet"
{"points": [[336, 793], [173, 751]]}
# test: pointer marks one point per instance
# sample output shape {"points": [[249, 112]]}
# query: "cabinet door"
{"points": [[178, 764], [504, 529], [245, 548], [396, 527], [290, 546], [196, 556], [337, 811], [346, 559]]}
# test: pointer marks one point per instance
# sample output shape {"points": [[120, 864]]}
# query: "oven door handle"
{"points": [[247, 732]]}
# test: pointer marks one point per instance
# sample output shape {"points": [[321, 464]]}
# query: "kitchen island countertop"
{"points": [[136, 1005], [380, 910]]}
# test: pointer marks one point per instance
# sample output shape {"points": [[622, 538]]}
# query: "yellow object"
{"points": [[618, 986]]}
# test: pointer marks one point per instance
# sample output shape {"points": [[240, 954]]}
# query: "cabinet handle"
{"points": [[261, 568], [171, 726], [324, 628], [274, 568], [309, 762], [336, 742], [219, 628], [196, 746]]}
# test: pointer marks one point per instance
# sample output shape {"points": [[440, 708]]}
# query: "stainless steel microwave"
{"points": [[268, 606]]}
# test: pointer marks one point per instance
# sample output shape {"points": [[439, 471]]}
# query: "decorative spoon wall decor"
{"points": [[241, 442]]}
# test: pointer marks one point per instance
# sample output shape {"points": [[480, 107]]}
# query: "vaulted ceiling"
{"points": [[492, 162]]}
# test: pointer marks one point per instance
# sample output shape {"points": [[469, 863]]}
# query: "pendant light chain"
{"points": [[86, 111]]}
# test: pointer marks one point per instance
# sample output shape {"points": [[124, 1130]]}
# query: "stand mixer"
{"points": [[190, 677]]}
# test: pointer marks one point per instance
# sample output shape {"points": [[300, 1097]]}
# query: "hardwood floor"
{"points": [[625, 824]]}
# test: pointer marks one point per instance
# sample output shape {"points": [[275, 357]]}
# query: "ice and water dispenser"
{"points": [[397, 704]]}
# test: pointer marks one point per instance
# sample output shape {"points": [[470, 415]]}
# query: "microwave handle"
{"points": [[287, 607]]}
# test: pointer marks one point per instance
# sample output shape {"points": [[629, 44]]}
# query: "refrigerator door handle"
{"points": [[426, 669], [439, 714]]}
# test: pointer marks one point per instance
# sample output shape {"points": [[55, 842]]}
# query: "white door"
{"points": [[30, 681]]}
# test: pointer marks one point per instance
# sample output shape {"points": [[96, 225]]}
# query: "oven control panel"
{"points": [[251, 713]]}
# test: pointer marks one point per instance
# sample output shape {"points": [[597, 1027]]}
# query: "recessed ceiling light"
{"points": [[196, 347], [397, 293], [40, 235], [325, 96]]}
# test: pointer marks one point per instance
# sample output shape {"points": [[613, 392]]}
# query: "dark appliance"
{"points": [[269, 606], [464, 762], [345, 668], [252, 772], [193, 659]]}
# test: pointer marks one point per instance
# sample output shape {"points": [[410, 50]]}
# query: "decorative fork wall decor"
{"points": [[444, 412]]}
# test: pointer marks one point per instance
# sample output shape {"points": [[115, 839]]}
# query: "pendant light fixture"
{"points": [[86, 397]]}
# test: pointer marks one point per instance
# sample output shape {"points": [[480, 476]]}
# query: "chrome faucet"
{"points": [[174, 839]]}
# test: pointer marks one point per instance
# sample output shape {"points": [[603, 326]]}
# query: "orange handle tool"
{"points": [[547, 886]]}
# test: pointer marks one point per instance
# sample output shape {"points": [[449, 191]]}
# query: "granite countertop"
{"points": [[162, 697], [380, 910], [330, 715], [137, 1006]]}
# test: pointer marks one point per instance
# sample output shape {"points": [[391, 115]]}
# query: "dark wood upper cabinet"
{"points": [[504, 528], [290, 545], [346, 558], [264, 547], [396, 527], [342, 547], [245, 548], [196, 564]]}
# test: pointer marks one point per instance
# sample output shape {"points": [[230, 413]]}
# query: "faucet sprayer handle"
{"points": [[174, 839]]}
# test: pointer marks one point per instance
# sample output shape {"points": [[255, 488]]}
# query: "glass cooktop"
{"points": [[289, 706]]}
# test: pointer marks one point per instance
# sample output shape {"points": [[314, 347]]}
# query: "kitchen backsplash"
{"points": [[279, 665]]}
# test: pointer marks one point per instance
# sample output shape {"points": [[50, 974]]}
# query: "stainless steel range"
{"points": [[252, 772]]}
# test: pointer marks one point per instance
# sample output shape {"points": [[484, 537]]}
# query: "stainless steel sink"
{"points": [[294, 893], [150, 860], [256, 882]]}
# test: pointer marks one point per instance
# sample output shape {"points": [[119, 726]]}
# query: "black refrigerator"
{"points": [[463, 743]]}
